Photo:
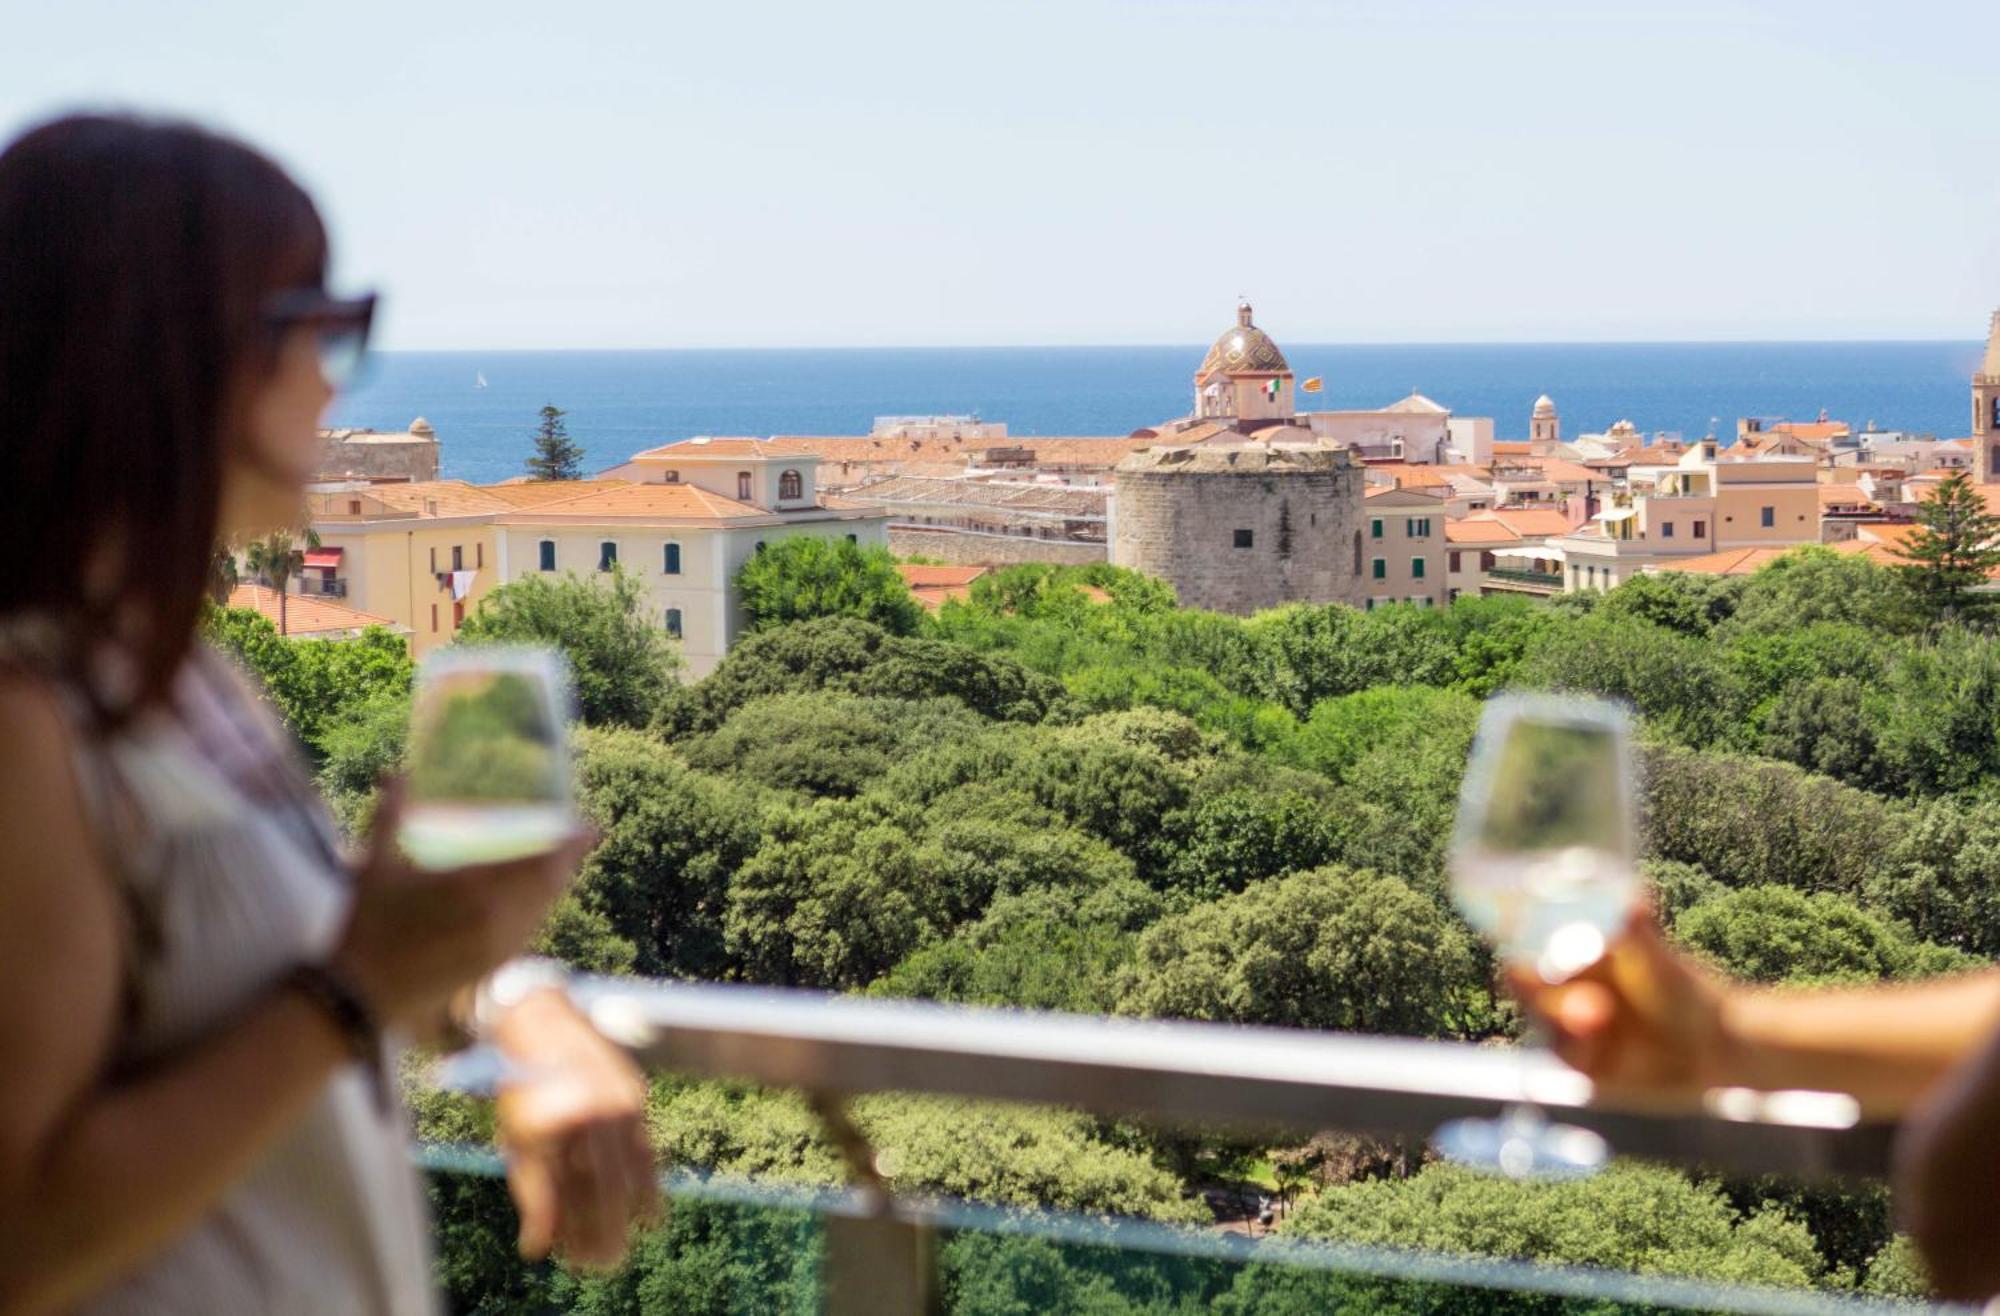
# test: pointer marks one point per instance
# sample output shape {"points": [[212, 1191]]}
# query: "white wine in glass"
{"points": [[488, 776], [1543, 863]]}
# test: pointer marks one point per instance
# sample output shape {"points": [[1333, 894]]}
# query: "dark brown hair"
{"points": [[136, 257]]}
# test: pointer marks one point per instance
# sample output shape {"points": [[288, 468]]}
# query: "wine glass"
{"points": [[1543, 863], [488, 776]]}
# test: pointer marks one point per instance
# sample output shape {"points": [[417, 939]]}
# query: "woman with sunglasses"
{"points": [[195, 984]]}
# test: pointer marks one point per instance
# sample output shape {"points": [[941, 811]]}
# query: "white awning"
{"points": [[1544, 553], [1617, 514]]}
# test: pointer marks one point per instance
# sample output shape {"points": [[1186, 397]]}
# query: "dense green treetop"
{"points": [[620, 659], [802, 577]]}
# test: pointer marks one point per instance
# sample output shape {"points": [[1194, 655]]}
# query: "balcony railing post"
{"points": [[881, 1262]]}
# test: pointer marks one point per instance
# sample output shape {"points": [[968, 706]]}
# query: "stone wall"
{"points": [[1179, 512], [360, 454], [965, 550]]}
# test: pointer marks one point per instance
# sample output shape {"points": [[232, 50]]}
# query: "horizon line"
{"points": [[1183, 345]]}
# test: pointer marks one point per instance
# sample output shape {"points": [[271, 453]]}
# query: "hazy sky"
{"points": [[739, 173]]}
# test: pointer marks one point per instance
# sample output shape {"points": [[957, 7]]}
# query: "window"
{"points": [[1357, 552], [674, 622], [1486, 561], [354, 507], [548, 562], [434, 616], [672, 565], [479, 555], [457, 613], [434, 565], [759, 548], [853, 538], [1767, 517], [743, 485], [1417, 527], [1375, 528], [672, 477], [1416, 568], [1244, 538], [1454, 567], [1381, 569], [1666, 529], [1700, 529], [791, 485], [607, 555], [1371, 605], [457, 557]]}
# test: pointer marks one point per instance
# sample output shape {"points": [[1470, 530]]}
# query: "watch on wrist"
{"points": [[509, 985]]}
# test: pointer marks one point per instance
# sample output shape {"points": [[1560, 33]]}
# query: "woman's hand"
{"points": [[574, 1128], [416, 936], [1642, 1021]]}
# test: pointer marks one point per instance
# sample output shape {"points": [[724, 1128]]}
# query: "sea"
{"points": [[618, 403]]}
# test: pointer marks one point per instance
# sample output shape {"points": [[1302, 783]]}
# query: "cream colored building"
{"points": [[704, 508], [1403, 551], [1700, 506], [421, 554]]}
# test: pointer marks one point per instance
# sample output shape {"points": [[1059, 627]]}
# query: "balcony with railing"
{"points": [[326, 587], [751, 1245]]}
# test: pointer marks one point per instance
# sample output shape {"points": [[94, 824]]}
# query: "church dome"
{"points": [[421, 427], [1243, 348], [1545, 405]]}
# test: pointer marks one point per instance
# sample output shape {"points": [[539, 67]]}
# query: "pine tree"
{"points": [[557, 456], [1955, 548]]}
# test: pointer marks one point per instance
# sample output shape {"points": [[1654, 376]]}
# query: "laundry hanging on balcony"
{"points": [[461, 585]]}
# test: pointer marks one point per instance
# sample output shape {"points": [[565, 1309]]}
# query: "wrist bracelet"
{"points": [[509, 985], [336, 997]]}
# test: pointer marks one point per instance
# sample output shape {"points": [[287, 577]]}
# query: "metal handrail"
{"points": [[1207, 1073]]}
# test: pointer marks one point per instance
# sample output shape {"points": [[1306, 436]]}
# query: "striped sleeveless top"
{"points": [[231, 871]]}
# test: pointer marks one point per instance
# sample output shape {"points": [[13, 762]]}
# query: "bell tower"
{"points": [[1986, 409], [1545, 427]]}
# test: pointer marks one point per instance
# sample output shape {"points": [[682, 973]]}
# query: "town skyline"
{"points": [[776, 176]]}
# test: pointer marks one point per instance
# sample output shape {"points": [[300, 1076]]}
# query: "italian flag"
{"points": [[1271, 390]]}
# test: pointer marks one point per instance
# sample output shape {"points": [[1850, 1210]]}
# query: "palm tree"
{"points": [[274, 559], [223, 576]]}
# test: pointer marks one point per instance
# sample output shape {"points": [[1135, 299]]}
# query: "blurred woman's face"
{"points": [[274, 453]]}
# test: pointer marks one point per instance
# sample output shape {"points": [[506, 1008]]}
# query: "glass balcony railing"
{"points": [[745, 1245], [1513, 575]]}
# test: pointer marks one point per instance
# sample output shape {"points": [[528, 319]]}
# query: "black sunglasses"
{"points": [[340, 327]]}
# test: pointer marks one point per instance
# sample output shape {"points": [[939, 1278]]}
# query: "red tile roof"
{"points": [[1459, 530], [308, 616], [918, 576], [638, 502]]}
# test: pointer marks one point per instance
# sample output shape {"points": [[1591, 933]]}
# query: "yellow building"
{"points": [[421, 554], [1704, 504], [700, 510]]}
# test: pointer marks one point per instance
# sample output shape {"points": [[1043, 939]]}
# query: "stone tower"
{"points": [[1244, 376], [1986, 409], [1545, 426], [1239, 526]]}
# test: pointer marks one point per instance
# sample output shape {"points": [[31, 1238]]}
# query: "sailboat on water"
{"points": [[479, 379]]}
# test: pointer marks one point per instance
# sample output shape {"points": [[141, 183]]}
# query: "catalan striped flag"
{"points": [[1313, 385]]}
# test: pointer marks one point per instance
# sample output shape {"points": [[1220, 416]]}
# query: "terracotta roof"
{"points": [[1812, 431], [1842, 495], [1530, 522], [1458, 530], [1413, 477], [1893, 534], [438, 498], [1564, 471], [308, 616], [1409, 495], [755, 448], [918, 576], [1513, 449], [640, 501], [1731, 562], [534, 493]]}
